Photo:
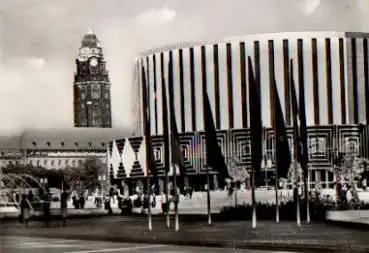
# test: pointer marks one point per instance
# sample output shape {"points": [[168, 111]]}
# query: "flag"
{"points": [[303, 130], [256, 125], [177, 157], [282, 149], [214, 156], [150, 158], [295, 113], [165, 124]]}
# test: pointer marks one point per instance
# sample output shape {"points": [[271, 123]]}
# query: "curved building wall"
{"points": [[332, 65]]}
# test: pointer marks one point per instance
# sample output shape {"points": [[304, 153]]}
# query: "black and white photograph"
{"points": [[182, 126]]}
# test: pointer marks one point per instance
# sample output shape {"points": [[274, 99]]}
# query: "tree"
{"points": [[87, 173], [238, 172]]}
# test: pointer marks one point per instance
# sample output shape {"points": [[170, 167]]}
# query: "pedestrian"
{"points": [[25, 207], [46, 208], [64, 206]]}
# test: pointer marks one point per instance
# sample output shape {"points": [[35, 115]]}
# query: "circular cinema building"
{"points": [[332, 66]]}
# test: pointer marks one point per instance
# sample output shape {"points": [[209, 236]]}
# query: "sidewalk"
{"points": [[238, 234]]}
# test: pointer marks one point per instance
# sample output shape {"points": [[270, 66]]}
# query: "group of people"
{"points": [[27, 202]]}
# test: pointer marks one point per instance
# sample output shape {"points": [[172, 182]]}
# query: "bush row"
{"points": [[287, 210]]}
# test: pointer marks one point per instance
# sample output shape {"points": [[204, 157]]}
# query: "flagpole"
{"points": [[298, 218], [146, 119], [148, 198], [208, 195], [296, 143], [167, 206], [306, 186], [176, 198]]}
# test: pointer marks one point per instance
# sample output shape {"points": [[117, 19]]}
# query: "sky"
{"points": [[39, 41]]}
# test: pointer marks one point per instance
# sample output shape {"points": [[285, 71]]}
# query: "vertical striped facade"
{"points": [[333, 67]]}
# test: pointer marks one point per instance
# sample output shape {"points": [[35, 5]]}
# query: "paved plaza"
{"points": [[237, 234], [11, 244]]}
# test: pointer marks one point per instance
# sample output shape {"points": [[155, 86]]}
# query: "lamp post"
{"points": [[88, 104]]}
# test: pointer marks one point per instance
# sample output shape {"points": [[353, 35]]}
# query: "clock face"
{"points": [[93, 62]]}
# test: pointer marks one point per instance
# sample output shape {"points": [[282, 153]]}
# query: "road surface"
{"points": [[13, 244]]}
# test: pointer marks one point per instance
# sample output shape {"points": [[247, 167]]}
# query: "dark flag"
{"points": [[282, 149], [295, 113], [177, 157], [303, 130], [256, 125], [151, 163], [214, 156]]}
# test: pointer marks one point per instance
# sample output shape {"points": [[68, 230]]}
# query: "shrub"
{"points": [[287, 210]]}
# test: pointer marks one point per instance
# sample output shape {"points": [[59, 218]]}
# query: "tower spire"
{"points": [[90, 31]]}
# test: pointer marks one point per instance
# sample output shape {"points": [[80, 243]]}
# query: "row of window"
{"points": [[48, 143], [95, 94]]}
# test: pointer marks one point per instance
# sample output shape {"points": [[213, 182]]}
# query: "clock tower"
{"points": [[92, 104]]}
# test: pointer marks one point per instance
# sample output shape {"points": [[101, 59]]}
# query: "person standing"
{"points": [[25, 206], [46, 207], [64, 206]]}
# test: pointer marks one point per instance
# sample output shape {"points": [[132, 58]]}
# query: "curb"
{"points": [[280, 246], [348, 224]]}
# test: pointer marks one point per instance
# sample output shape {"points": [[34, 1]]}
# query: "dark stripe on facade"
{"points": [[155, 91], [257, 66], [243, 84], [342, 80], [328, 62], [181, 91], [300, 66], [230, 85], [366, 79], [271, 76], [355, 102], [216, 85], [287, 95], [163, 78], [203, 70], [314, 51], [193, 95]]}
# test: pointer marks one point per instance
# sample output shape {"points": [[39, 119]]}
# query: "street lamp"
{"points": [[88, 104]]}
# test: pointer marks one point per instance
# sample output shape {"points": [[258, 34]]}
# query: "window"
{"points": [[102, 144], [83, 95], [30, 162], [48, 143], [80, 162], [157, 154], [76, 144], [34, 143], [107, 105], [95, 93], [89, 144], [67, 162], [38, 162], [45, 162], [106, 95], [52, 162], [73, 163], [62, 143], [317, 147], [59, 162], [82, 106]]}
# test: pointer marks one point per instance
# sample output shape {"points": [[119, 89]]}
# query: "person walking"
{"points": [[46, 208], [64, 207], [25, 207]]}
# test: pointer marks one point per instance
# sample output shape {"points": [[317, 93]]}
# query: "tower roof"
{"points": [[90, 39]]}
